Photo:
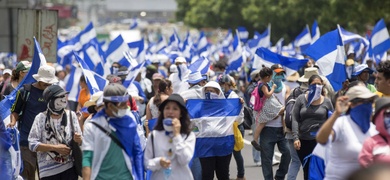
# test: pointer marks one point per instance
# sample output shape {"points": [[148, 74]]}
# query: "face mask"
{"points": [[387, 122], [361, 115], [211, 95], [120, 113], [115, 70], [223, 89], [60, 103], [277, 79], [167, 123], [314, 93]]}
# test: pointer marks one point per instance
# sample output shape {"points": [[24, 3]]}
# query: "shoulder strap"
{"points": [[152, 138], [26, 94], [71, 122], [113, 138]]}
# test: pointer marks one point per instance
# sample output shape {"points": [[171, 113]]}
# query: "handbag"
{"points": [[238, 140], [270, 111], [76, 150]]}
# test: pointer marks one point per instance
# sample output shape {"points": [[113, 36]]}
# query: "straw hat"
{"points": [[292, 78], [308, 73]]}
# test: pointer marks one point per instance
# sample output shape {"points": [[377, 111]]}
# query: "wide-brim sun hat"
{"points": [[175, 98], [195, 77], [46, 74], [360, 92], [292, 78], [94, 99], [308, 73]]}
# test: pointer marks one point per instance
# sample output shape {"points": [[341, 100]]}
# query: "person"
{"points": [[5, 82], [179, 79], [363, 72], [17, 76], [382, 81], [371, 65], [111, 146], [29, 102], [264, 92], [309, 113], [94, 105], [84, 96], [328, 89], [51, 134], [273, 134], [218, 164], [171, 144], [375, 149], [348, 132], [228, 85], [163, 92], [196, 81]]}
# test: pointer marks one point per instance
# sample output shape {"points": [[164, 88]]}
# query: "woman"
{"points": [[171, 144], [84, 96], [228, 85], [17, 75], [51, 135], [152, 109], [309, 113], [376, 149], [348, 132]]}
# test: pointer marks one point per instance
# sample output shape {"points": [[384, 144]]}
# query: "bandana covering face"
{"points": [[57, 105], [361, 116], [277, 79], [314, 93]]}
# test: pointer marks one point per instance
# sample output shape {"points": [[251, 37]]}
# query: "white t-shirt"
{"points": [[345, 148]]}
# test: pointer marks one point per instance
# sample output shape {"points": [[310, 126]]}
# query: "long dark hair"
{"points": [[184, 120], [162, 87], [15, 75]]}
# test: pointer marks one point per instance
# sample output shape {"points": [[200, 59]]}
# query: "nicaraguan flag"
{"points": [[133, 74], [260, 40], [236, 59], [174, 42], [329, 54], [202, 65], [64, 49], [115, 51], [188, 50], [303, 40], [213, 125], [279, 45], [243, 34], [202, 43], [158, 46], [315, 32], [94, 81], [380, 40], [268, 58], [348, 37], [72, 82], [134, 24], [94, 58], [137, 49]]}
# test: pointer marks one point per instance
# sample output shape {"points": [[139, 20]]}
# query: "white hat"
{"points": [[180, 60], [195, 77], [9, 71], [2, 66], [308, 73], [360, 68], [359, 91], [95, 98], [46, 74]]}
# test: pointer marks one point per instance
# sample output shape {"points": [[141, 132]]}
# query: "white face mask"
{"points": [[60, 103], [120, 113], [214, 95]]}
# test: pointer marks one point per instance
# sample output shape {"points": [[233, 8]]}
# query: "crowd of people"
{"points": [[146, 131]]}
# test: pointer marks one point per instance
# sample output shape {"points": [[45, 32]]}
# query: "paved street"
{"points": [[252, 171]]}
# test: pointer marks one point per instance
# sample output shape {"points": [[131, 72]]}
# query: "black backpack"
{"points": [[290, 105]]}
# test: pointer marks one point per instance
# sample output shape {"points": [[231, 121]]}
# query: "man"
{"points": [[179, 79], [382, 81], [362, 72], [29, 102], [196, 81], [372, 66], [111, 146], [273, 133]]}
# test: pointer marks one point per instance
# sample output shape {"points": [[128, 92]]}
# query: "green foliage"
{"points": [[287, 17]]}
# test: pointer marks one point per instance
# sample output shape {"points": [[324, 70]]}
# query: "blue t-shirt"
{"points": [[34, 105]]}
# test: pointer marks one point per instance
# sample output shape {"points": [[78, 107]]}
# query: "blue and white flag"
{"points": [[268, 58], [94, 58], [174, 42], [188, 50], [213, 125], [15, 152], [202, 43], [380, 40], [315, 32], [94, 81], [303, 40], [72, 82], [158, 46], [279, 45], [243, 34], [115, 51], [134, 24], [348, 37], [138, 50], [260, 40], [202, 65], [329, 54], [64, 49], [133, 74], [236, 58]]}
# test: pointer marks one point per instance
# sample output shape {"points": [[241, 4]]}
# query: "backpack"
{"points": [[256, 101], [290, 105], [25, 91]]}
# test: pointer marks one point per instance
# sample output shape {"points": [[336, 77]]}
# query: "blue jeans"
{"points": [[255, 153], [295, 162], [196, 169], [238, 157], [268, 138]]}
